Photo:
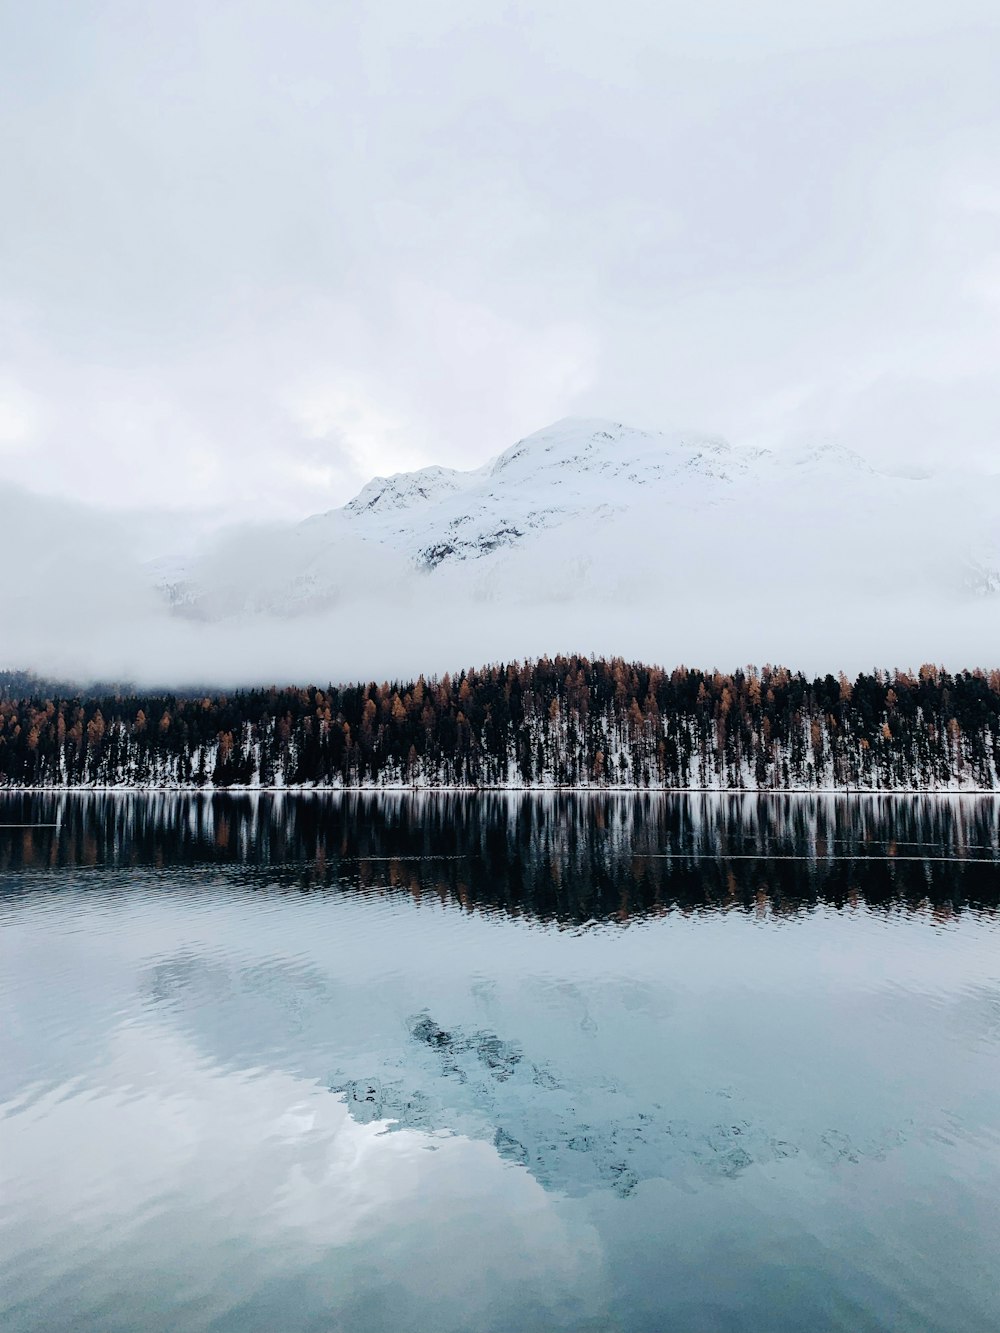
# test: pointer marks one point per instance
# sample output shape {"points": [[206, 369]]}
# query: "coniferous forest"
{"points": [[559, 722]]}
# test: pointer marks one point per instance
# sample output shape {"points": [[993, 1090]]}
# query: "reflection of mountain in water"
{"points": [[574, 1125], [556, 857], [574, 1136]]}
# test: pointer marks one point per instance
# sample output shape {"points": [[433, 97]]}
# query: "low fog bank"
{"points": [[783, 580], [362, 641]]}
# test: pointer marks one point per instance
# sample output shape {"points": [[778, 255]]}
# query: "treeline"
{"points": [[26, 685], [565, 721]]}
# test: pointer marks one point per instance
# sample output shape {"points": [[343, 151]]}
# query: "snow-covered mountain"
{"points": [[590, 509], [575, 469], [590, 536]]}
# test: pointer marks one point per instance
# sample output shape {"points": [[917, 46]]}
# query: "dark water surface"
{"points": [[499, 1063]]}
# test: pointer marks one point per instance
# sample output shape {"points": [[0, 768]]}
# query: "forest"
{"points": [[561, 722]]}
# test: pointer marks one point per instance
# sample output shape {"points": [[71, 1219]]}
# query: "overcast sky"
{"points": [[254, 252]]}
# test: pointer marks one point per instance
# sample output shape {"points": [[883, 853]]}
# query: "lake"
{"points": [[499, 1062]]}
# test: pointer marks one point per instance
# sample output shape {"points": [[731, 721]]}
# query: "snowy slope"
{"points": [[592, 508], [575, 469]]}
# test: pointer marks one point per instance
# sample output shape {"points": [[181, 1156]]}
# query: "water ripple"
{"points": [[306, 1065]]}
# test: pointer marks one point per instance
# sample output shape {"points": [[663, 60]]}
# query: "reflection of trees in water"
{"points": [[563, 857]]}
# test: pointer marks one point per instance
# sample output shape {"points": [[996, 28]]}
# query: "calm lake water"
{"points": [[499, 1063]]}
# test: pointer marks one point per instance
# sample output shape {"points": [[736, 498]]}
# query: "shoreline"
{"points": [[79, 790]]}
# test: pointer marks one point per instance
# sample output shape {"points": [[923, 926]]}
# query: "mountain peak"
{"points": [[823, 453], [589, 444], [405, 490]]}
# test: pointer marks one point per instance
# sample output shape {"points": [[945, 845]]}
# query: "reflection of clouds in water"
{"points": [[265, 1009], [178, 1155]]}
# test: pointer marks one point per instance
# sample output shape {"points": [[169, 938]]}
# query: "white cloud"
{"points": [[20, 417], [349, 417], [248, 261]]}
